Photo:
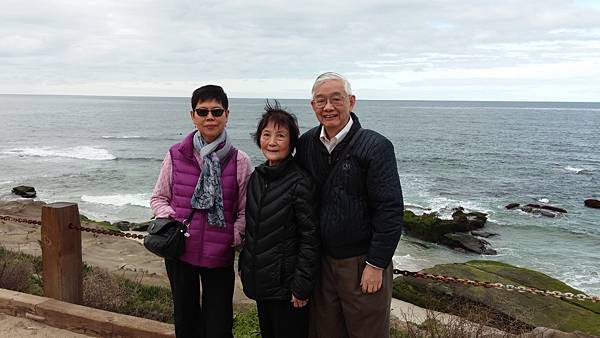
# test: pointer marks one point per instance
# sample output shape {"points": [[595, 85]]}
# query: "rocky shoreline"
{"points": [[131, 259]]}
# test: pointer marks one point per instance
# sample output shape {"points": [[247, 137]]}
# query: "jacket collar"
{"points": [[186, 147], [273, 172]]}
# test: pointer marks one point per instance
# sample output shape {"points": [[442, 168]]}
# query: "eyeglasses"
{"points": [[321, 101], [216, 112]]}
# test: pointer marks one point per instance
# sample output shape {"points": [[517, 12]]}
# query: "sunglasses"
{"points": [[216, 112]]}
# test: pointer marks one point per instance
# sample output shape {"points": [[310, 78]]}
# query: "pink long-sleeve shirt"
{"points": [[160, 202]]}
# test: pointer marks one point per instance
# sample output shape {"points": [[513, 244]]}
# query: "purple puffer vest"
{"points": [[207, 246]]}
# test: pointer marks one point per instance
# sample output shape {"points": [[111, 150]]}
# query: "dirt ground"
{"points": [[16, 327], [119, 255]]}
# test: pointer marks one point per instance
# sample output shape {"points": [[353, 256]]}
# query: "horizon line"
{"points": [[287, 98]]}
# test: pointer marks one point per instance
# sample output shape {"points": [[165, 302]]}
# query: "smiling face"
{"points": [[275, 143], [335, 112], [209, 126]]}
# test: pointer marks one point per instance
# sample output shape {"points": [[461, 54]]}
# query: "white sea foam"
{"points": [[142, 200], [80, 152], [408, 262], [445, 206], [576, 170], [121, 137]]}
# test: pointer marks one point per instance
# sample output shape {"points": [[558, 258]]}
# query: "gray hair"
{"points": [[331, 76]]}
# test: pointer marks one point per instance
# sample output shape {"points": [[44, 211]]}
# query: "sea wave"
{"points": [[577, 170], [123, 137], [142, 200], [80, 152], [446, 206], [155, 159], [408, 262]]}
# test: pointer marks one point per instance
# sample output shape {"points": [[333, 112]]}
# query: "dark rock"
{"points": [[512, 206], [531, 208], [24, 191], [547, 207], [140, 226], [468, 242], [430, 228], [547, 213], [484, 234], [469, 221], [123, 225], [592, 203]]}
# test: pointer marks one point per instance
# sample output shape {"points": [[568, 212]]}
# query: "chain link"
{"points": [[440, 278], [78, 228], [500, 286], [105, 232], [20, 220]]}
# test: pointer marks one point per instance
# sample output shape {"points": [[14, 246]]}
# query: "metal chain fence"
{"points": [[406, 273]]}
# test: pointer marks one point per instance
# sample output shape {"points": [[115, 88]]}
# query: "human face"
{"points": [[209, 126], [275, 143], [333, 117]]}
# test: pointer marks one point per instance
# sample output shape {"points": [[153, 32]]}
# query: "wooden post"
{"points": [[61, 252]]}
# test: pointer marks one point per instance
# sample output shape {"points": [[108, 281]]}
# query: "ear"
{"points": [[352, 102]]}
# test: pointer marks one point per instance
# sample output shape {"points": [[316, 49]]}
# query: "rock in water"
{"points": [[592, 203], [469, 243], [484, 234], [512, 206], [547, 207], [24, 191], [123, 225]]}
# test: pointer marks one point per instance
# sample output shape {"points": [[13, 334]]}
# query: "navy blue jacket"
{"points": [[361, 206]]}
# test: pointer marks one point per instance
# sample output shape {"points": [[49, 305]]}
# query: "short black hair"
{"points": [[210, 92], [280, 117]]}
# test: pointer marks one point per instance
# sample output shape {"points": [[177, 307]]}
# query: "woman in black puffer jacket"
{"points": [[280, 257]]}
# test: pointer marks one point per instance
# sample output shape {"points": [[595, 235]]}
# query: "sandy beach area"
{"points": [[127, 257]]}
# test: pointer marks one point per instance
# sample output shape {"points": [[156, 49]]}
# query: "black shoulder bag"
{"points": [[166, 237]]}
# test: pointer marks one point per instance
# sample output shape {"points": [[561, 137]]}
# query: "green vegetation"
{"points": [[504, 309]]}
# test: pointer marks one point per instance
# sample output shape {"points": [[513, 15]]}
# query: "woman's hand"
{"points": [[298, 302]]}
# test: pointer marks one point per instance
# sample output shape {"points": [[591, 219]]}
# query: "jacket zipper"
{"points": [[262, 196]]}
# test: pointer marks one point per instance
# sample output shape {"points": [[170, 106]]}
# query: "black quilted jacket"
{"points": [[281, 248], [361, 206]]}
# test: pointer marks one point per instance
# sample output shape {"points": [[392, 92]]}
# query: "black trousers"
{"points": [[280, 319], [211, 318]]}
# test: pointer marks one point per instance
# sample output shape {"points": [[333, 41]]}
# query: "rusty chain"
{"points": [[500, 286], [439, 278], [105, 232], [20, 220], [74, 227]]}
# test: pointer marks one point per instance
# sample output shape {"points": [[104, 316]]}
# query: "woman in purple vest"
{"points": [[204, 177]]}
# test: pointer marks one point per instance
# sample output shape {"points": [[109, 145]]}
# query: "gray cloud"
{"points": [[275, 48]]}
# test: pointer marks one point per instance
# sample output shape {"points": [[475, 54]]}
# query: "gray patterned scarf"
{"points": [[208, 194]]}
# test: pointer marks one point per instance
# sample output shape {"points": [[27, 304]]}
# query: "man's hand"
{"points": [[371, 279], [298, 302]]}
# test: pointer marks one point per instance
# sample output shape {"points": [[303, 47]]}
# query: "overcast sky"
{"points": [[532, 50]]}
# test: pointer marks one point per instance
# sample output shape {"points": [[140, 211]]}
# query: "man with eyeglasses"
{"points": [[361, 210]]}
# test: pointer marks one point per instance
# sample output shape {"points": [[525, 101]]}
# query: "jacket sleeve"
{"points": [[160, 202], [244, 169], [307, 266], [385, 202]]}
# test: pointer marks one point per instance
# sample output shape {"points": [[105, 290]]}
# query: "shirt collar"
{"points": [[331, 143]]}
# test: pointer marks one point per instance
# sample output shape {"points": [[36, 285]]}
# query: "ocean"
{"points": [[104, 153]]}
